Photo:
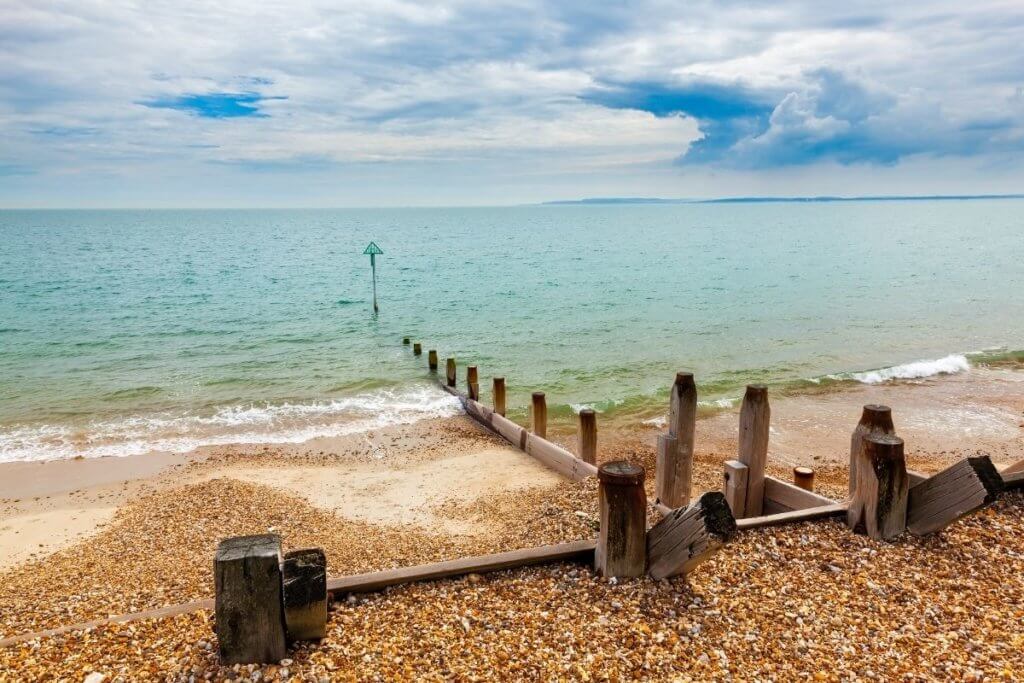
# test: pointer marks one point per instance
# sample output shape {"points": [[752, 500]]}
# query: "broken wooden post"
{"points": [[690, 535], [804, 478], [248, 605], [879, 503], [417, 349], [755, 417], [621, 545], [449, 369], [472, 383], [951, 494], [736, 475], [587, 436], [674, 471], [875, 419], [540, 414], [498, 389], [432, 360], [305, 594], [405, 341]]}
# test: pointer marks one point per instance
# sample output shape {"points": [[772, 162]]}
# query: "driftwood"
{"points": [[674, 471], [736, 474], [879, 503], [874, 419], [587, 436], [305, 593], [951, 494], [250, 616], [755, 417], [688, 536], [622, 502]]}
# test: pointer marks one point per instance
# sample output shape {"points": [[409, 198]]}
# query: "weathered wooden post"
{"points": [[498, 390], [622, 543], [674, 468], [804, 478], [540, 414], [432, 360], [879, 503], [305, 594], [473, 383], [875, 419], [248, 606], [755, 417], [956, 491], [735, 489], [417, 349], [449, 370], [587, 436], [406, 341]]}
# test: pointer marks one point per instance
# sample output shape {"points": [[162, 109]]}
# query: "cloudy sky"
{"points": [[252, 103]]}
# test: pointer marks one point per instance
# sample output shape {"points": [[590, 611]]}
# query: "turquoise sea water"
{"points": [[124, 331]]}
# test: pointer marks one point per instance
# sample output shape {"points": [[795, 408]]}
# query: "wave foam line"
{"points": [[948, 365]]}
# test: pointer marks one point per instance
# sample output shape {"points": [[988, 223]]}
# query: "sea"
{"points": [[130, 331]]}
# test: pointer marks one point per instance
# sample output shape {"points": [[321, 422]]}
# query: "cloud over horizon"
{"points": [[453, 101]]}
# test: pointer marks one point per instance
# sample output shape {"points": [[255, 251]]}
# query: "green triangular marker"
{"points": [[373, 249]]}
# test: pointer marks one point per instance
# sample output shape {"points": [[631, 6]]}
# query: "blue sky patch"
{"points": [[215, 105]]}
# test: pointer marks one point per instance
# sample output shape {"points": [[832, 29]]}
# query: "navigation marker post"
{"points": [[372, 249]]}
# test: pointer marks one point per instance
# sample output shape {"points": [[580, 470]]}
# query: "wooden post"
{"points": [[804, 478], [875, 419], [472, 383], [688, 536], [248, 605], [432, 360], [587, 436], [406, 341], [954, 492], [736, 476], [417, 349], [305, 594], [755, 416], [540, 415], [449, 369], [879, 504], [665, 484], [674, 471], [621, 545], [498, 390]]}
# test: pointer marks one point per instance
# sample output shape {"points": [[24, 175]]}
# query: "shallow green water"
{"points": [[123, 331]]}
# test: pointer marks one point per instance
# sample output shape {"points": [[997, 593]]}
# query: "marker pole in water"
{"points": [[372, 249]]}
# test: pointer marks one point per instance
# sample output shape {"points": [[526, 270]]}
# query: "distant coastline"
{"points": [[764, 200]]}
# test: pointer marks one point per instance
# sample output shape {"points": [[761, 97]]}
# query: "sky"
{"points": [[177, 103]]}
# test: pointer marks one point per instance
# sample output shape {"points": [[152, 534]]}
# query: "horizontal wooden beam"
{"points": [[789, 497], [1013, 481], [792, 517], [1015, 468], [576, 551]]}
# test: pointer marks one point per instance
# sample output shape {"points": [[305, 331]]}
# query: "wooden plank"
{"points": [[791, 497], [917, 477], [951, 494], [736, 474], [1013, 481], [755, 417], [805, 515], [249, 607], [576, 551], [688, 536], [1015, 468]]}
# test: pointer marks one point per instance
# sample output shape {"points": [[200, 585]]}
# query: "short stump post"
{"points": [[540, 414], [305, 594], [406, 341], [879, 503], [587, 436], [804, 478], [875, 419], [432, 360], [417, 349], [449, 371], [249, 607], [473, 383], [622, 543], [499, 395]]}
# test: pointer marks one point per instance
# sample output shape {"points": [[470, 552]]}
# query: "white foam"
{"points": [[948, 365], [246, 424], [657, 421]]}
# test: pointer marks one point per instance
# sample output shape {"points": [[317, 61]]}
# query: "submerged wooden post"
{"points": [[804, 478], [879, 503], [674, 471], [472, 383], [621, 545], [875, 419], [406, 341], [305, 593], [735, 489], [498, 389], [755, 417], [587, 436], [540, 414], [248, 606], [449, 369], [417, 349], [432, 360]]}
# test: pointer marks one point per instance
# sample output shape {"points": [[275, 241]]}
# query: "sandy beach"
{"points": [[87, 539]]}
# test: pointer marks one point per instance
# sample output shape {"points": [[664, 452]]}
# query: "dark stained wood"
{"points": [[804, 478], [432, 360], [735, 487], [879, 503], [621, 545], [539, 414], [473, 383], [406, 341], [874, 419], [499, 395], [417, 349], [249, 613], [956, 491], [587, 436], [690, 535], [674, 471], [1013, 480], [305, 593], [449, 370], [755, 418]]}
